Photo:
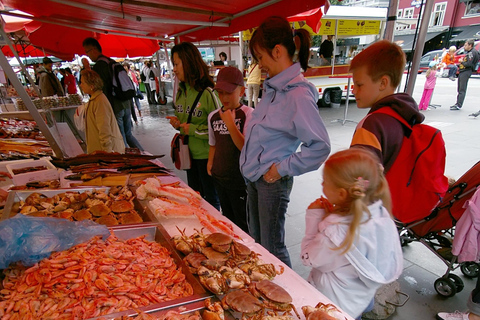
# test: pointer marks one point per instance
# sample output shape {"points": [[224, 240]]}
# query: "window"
{"points": [[436, 19], [399, 25], [407, 14], [472, 8]]}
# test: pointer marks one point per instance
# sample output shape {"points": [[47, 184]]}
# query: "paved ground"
{"points": [[421, 267]]}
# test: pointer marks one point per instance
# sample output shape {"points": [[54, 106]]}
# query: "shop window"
{"points": [[436, 19], [472, 8]]}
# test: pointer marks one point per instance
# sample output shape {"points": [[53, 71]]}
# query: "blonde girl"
{"points": [[351, 241]]}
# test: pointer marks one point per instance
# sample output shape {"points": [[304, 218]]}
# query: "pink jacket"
{"points": [[466, 243]]}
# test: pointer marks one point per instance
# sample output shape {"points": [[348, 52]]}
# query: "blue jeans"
{"points": [[200, 181], [124, 120], [266, 209]]}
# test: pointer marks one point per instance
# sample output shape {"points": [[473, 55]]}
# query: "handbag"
{"points": [[79, 117], [180, 152]]}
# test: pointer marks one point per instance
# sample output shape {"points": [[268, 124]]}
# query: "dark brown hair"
{"points": [[277, 30], [194, 68]]}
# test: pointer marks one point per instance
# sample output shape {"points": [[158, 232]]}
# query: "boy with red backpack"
{"points": [[412, 154]]}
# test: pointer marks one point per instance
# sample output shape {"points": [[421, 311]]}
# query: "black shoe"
{"points": [[454, 107], [475, 114]]}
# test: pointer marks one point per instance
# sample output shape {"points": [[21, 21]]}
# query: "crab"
{"points": [[258, 271], [221, 242], [243, 302], [235, 278], [194, 261], [240, 251], [322, 312], [271, 316], [213, 311], [219, 257], [273, 296], [212, 280], [121, 206]]}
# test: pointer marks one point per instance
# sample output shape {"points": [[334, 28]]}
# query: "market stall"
{"points": [[161, 210]]}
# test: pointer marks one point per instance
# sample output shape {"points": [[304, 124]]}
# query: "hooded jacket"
{"points": [[286, 117], [384, 134], [375, 258]]}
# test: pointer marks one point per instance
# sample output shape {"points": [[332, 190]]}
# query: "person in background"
{"points": [[192, 73], [121, 108], [430, 81], [61, 76], [134, 79], [351, 241], [223, 57], [70, 82], [254, 79], [449, 61], [101, 128], [325, 51], [145, 78], [48, 82], [285, 119], [466, 68], [225, 134], [151, 78]]}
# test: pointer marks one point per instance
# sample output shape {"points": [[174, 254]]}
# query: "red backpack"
{"points": [[416, 179]]}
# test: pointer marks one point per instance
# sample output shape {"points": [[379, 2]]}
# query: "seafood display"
{"points": [[111, 207], [322, 312], [19, 129], [93, 279], [173, 201], [15, 150]]}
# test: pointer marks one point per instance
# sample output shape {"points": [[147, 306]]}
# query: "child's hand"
{"points": [[228, 116], [321, 203]]}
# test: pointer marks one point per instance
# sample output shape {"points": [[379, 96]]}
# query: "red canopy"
{"points": [[311, 17], [191, 20], [23, 51]]}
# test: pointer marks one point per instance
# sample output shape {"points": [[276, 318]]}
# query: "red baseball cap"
{"points": [[228, 79]]}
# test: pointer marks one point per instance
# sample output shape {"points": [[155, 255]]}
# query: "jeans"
{"points": [[462, 83], [452, 71], [266, 210], [124, 120], [234, 204], [200, 181]]}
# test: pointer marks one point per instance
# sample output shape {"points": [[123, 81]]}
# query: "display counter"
{"points": [[163, 229]]}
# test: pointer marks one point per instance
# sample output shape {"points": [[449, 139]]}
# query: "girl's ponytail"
{"points": [[303, 47]]}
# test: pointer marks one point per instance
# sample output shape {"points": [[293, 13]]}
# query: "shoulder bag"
{"points": [[180, 152]]}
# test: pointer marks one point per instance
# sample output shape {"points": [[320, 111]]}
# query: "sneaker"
{"points": [[452, 78], [454, 107], [475, 114], [457, 315]]}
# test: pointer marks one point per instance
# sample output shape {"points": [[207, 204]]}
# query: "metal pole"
{"points": [[391, 18], [420, 45]]}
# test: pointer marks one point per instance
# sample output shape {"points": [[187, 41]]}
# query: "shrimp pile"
{"points": [[93, 279]]}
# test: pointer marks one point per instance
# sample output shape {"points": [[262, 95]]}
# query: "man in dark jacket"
{"points": [[121, 108], [465, 70]]}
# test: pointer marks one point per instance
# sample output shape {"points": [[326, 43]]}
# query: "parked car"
{"points": [[427, 57]]}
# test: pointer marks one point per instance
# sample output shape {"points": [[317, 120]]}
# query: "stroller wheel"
{"points": [[445, 287], [470, 269], [457, 280]]}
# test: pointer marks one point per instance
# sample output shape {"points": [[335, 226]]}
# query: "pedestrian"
{"points": [[145, 74], [136, 99], [223, 57], [351, 241], [101, 128], [465, 68], [285, 119], [254, 79], [70, 82], [195, 81], [121, 108], [430, 81], [48, 82], [225, 134], [325, 52], [448, 61], [473, 304]]}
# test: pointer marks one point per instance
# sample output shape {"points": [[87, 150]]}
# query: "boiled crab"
{"points": [[243, 302], [273, 296], [220, 242], [257, 270], [236, 278], [212, 280], [213, 311], [194, 261], [322, 312]]}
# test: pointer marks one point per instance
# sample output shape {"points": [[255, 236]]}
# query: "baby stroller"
{"points": [[437, 230]]}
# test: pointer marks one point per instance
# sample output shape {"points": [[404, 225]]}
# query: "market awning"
{"points": [[406, 41], [190, 20], [468, 32]]}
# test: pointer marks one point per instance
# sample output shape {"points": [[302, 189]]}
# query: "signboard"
{"points": [[328, 27], [357, 27]]}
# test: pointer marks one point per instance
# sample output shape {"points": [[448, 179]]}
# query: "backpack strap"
{"points": [[194, 105], [394, 114]]}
